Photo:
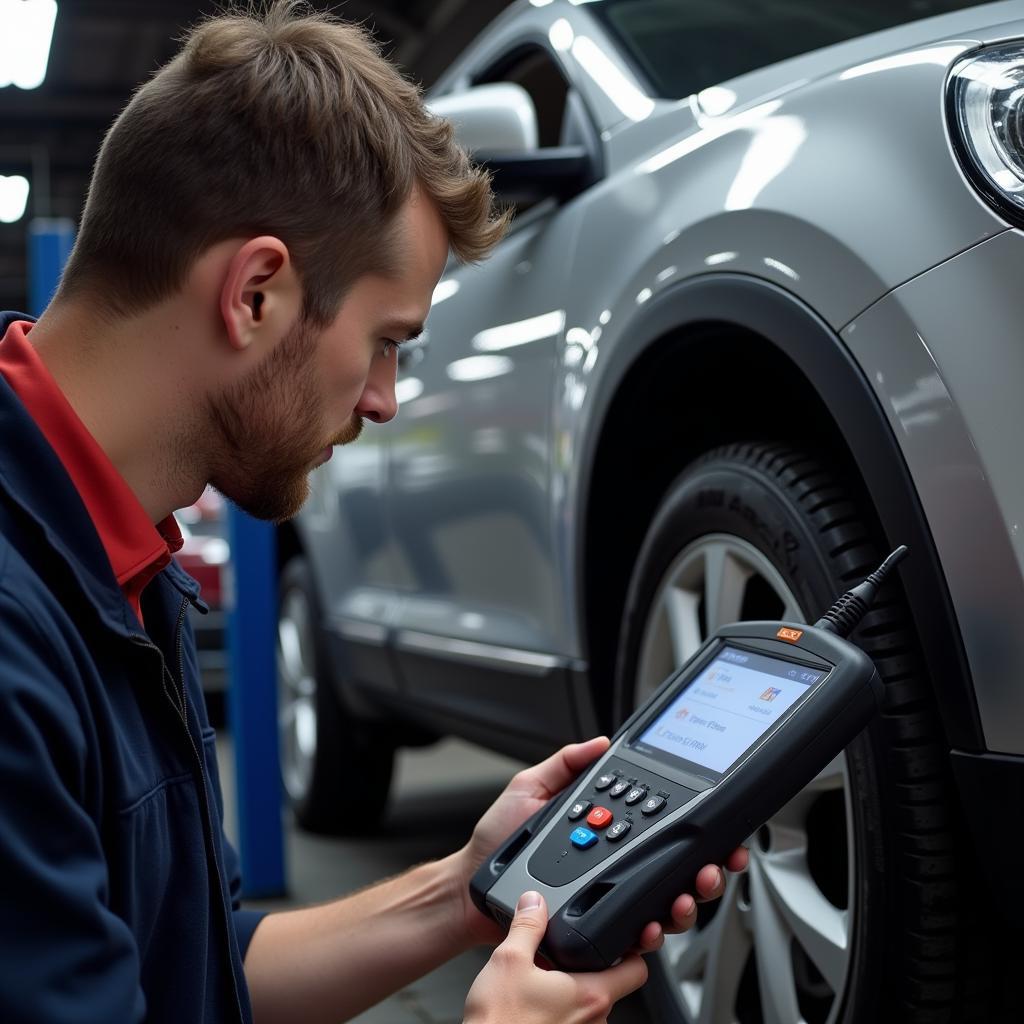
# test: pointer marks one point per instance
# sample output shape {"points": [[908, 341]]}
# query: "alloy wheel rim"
{"points": [[296, 694], [776, 947]]}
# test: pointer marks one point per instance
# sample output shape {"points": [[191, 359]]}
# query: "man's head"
{"points": [[284, 160], [290, 125], [278, 420]]}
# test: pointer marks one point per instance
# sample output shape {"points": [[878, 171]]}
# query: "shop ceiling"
{"points": [[102, 49]]}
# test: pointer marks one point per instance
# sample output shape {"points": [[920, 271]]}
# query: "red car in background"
{"points": [[204, 556]]}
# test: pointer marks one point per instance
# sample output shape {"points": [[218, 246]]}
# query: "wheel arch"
{"points": [[800, 384]]}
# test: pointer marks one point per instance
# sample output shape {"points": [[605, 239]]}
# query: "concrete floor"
{"points": [[438, 795]]}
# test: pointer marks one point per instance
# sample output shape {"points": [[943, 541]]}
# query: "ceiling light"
{"points": [[26, 29], [13, 198]]}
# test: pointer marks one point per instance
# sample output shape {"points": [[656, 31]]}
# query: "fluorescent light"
{"points": [[408, 389], [615, 85], [941, 55], [26, 30], [521, 332], [771, 151], [781, 267], [712, 129], [716, 100], [444, 290], [561, 35], [479, 368], [13, 198]]}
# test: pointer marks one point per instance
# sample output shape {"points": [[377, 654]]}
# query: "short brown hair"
{"points": [[289, 123]]}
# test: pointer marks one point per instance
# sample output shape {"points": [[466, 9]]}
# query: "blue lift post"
{"points": [[252, 700], [49, 245]]}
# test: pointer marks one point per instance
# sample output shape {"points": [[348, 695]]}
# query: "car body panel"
{"points": [[469, 460], [808, 364], [940, 378], [453, 535], [801, 238], [346, 532], [469, 481]]}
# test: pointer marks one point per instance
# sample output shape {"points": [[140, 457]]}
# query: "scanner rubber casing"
{"points": [[595, 919]]}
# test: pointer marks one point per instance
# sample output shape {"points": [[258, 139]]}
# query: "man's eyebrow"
{"points": [[404, 330]]}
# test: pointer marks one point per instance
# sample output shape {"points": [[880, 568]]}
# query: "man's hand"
{"points": [[527, 792], [511, 989]]}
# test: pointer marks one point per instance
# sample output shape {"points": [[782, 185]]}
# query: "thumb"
{"points": [[529, 924]]}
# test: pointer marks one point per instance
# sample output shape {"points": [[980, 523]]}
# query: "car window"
{"points": [[534, 69], [683, 46]]}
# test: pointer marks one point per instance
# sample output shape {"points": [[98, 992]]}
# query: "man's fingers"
{"points": [[710, 882], [738, 859], [684, 911], [528, 925], [564, 765], [652, 938], [711, 879], [618, 981]]}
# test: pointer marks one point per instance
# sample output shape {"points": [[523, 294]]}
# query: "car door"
{"points": [[469, 462]]}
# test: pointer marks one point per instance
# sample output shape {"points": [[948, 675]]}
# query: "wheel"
{"points": [[848, 912], [322, 749]]}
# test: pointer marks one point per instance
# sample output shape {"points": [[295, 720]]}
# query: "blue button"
{"points": [[583, 838]]}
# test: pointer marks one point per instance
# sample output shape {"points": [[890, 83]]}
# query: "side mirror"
{"points": [[497, 118], [497, 124]]}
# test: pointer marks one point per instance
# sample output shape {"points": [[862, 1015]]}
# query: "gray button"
{"points": [[652, 805], [578, 809], [617, 831]]}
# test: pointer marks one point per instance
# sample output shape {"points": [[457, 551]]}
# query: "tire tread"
{"points": [[922, 985]]}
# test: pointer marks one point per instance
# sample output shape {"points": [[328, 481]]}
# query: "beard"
{"points": [[270, 432]]}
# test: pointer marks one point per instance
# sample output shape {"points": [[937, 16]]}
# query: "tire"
{"points": [[850, 911], [322, 748]]}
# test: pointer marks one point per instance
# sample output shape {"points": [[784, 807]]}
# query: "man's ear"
{"points": [[261, 295]]}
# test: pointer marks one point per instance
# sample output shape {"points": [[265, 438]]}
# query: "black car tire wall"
{"points": [[908, 933], [349, 754]]}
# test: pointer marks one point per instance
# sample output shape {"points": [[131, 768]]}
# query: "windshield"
{"points": [[683, 46]]}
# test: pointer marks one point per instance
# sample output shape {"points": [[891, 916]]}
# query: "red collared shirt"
{"points": [[137, 549]]}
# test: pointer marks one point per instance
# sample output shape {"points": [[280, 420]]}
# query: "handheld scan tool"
{"points": [[728, 739]]}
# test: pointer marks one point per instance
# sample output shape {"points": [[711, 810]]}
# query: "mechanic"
{"points": [[266, 222]]}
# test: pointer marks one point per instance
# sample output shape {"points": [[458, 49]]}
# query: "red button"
{"points": [[599, 817]]}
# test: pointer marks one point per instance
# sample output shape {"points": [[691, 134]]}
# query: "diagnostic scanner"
{"points": [[721, 746]]}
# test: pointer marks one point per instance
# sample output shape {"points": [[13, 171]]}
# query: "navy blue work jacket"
{"points": [[119, 895]]}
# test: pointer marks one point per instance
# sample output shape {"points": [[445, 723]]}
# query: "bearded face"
{"points": [[272, 431]]}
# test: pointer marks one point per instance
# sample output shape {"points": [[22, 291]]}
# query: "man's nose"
{"points": [[378, 402]]}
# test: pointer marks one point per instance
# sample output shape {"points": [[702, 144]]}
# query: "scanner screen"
{"points": [[726, 709]]}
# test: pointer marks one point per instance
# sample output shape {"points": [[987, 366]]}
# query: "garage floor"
{"points": [[433, 811]]}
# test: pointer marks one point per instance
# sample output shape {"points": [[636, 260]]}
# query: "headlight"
{"points": [[986, 109]]}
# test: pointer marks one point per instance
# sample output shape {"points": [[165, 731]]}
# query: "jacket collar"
{"points": [[34, 480]]}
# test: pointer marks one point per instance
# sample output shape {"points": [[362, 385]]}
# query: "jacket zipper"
{"points": [[179, 701]]}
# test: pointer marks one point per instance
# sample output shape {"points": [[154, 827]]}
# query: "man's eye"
{"points": [[389, 347]]}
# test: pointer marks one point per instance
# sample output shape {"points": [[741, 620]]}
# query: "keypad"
{"points": [[618, 807], [618, 831], [583, 838], [578, 809], [652, 805]]}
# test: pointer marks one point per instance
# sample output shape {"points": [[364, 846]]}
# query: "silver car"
{"points": [[759, 320]]}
